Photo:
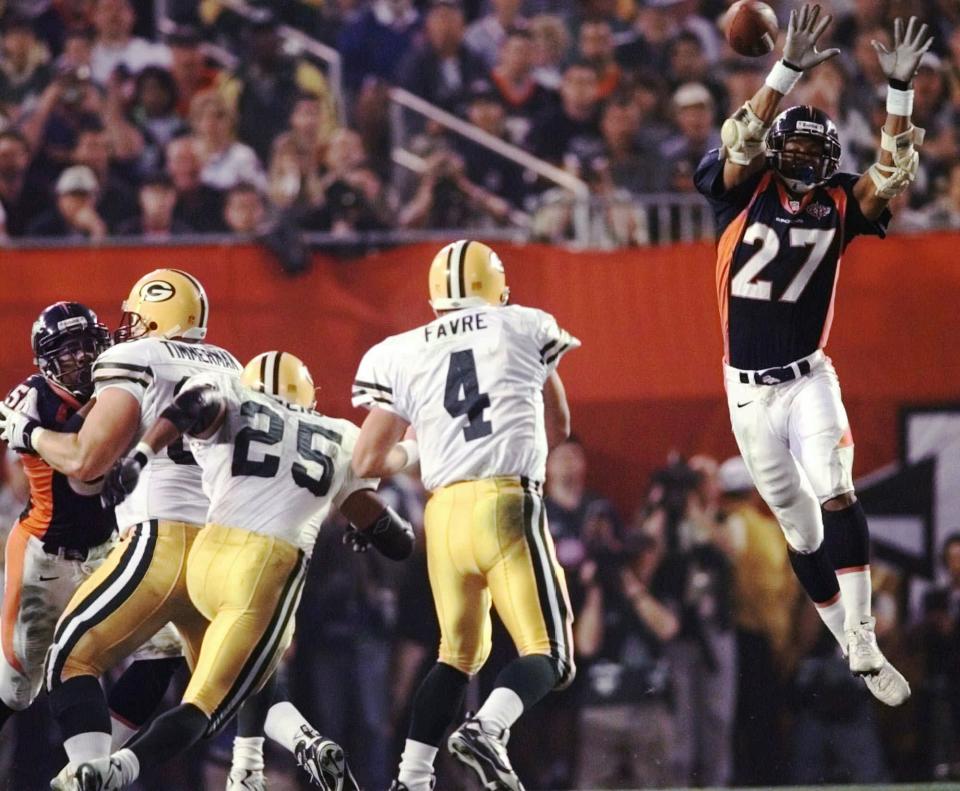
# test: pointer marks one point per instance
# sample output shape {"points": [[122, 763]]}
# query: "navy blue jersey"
{"points": [[777, 261], [57, 513]]}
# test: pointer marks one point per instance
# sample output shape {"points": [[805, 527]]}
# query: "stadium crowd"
{"points": [[700, 662], [110, 126]]}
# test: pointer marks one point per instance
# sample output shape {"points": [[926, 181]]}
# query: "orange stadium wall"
{"points": [[647, 380]]}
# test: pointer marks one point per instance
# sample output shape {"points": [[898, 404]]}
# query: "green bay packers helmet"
{"points": [[281, 375], [166, 303], [467, 274]]}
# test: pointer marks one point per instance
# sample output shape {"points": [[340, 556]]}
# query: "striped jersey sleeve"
{"points": [[553, 341], [118, 368], [351, 483], [374, 384]]}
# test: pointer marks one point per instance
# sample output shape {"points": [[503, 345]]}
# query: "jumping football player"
{"points": [[273, 468], [785, 214], [479, 385]]}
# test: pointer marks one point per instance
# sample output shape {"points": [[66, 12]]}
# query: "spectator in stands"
{"points": [[656, 25], [649, 96], [696, 134], [575, 119], [933, 111], [626, 727], [865, 75], [766, 597], [551, 42], [688, 63], [244, 209], [375, 43], [155, 113], [22, 200], [353, 196], [75, 214], [24, 67], [441, 68], [116, 200], [494, 173], [595, 42], [742, 79], [157, 198], [944, 212], [116, 46], [225, 161], [524, 99], [446, 198], [265, 87], [297, 156], [198, 205], [189, 67], [632, 166], [486, 35], [77, 49]]}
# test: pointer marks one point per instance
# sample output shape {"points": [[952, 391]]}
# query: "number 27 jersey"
{"points": [[778, 259], [470, 383]]}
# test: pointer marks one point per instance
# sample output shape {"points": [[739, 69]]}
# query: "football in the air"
{"points": [[751, 28]]}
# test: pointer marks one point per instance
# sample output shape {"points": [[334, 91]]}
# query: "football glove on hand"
{"points": [[800, 49], [391, 535], [902, 62], [16, 427], [122, 479]]}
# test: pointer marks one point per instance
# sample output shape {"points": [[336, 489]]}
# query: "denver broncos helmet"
{"points": [[281, 375], [467, 274], [66, 339], [166, 303], [801, 172]]}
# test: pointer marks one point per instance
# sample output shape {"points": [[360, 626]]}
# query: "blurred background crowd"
{"points": [[700, 662], [553, 120]]}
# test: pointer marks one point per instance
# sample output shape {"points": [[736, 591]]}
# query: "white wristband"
{"points": [[899, 102], [412, 449], [145, 449], [782, 79]]}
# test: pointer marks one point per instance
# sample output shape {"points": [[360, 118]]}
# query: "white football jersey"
{"points": [[470, 383], [274, 468], [153, 370]]}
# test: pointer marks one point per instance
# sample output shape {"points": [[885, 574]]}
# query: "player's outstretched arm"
{"points": [[898, 161], [556, 411], [379, 451], [744, 133]]}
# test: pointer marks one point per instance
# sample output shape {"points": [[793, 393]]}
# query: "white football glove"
{"points": [[800, 48], [17, 427], [902, 62]]}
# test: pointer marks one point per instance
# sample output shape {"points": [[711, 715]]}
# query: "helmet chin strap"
{"points": [[800, 187]]}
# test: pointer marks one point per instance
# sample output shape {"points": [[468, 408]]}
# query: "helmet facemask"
{"points": [[800, 166], [68, 361]]}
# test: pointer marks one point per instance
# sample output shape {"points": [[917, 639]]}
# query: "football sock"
{"points": [[129, 765], [80, 708], [530, 677], [121, 732], [286, 725], [416, 765], [253, 712], [500, 710], [170, 734], [847, 538], [139, 691], [437, 703], [833, 614], [248, 753]]}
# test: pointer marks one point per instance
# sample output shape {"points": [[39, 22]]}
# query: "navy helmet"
{"points": [[803, 172], [66, 338]]}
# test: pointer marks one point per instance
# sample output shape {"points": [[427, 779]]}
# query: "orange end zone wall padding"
{"points": [[648, 377]]}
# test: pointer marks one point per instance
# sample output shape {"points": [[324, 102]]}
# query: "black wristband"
{"points": [[32, 425], [900, 85], [789, 65]]}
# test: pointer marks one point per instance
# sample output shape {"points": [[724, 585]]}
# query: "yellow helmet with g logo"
{"points": [[166, 303], [281, 375], [467, 274]]}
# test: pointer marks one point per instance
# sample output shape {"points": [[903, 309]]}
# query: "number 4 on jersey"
{"points": [[462, 379]]}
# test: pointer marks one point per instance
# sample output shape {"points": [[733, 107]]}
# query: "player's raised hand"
{"points": [[122, 479], [800, 49], [902, 62]]}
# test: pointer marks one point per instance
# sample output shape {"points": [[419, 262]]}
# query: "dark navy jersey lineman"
{"points": [[778, 258]]}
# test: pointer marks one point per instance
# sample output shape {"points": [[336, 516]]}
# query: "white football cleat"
{"points": [[64, 779], [864, 654], [246, 780], [888, 685], [101, 774]]}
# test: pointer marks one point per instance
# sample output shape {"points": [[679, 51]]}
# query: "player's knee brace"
{"points": [[847, 537], [815, 573]]}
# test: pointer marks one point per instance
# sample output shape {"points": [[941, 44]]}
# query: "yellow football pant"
{"points": [[248, 586], [487, 541], [139, 588]]}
